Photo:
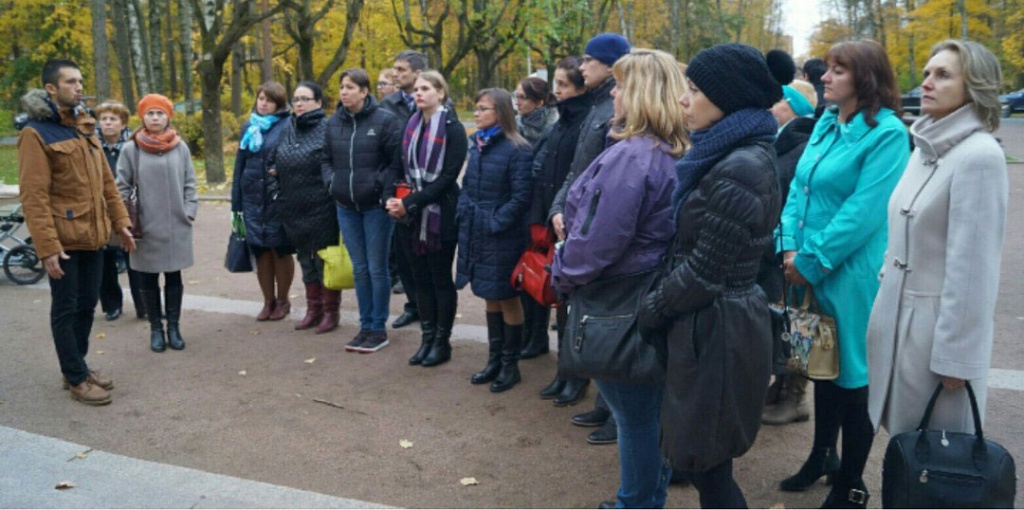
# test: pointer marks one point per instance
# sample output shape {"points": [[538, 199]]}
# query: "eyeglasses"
{"points": [[382, 84], [482, 109], [521, 97], [302, 99]]}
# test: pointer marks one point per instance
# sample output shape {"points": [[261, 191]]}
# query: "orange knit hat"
{"points": [[158, 102]]}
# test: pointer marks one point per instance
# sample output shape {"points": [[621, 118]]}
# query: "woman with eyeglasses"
{"points": [[433, 153], [536, 106], [361, 164], [304, 203]]}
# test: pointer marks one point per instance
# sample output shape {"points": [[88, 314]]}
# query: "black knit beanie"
{"points": [[734, 76]]}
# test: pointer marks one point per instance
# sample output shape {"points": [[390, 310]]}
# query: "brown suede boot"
{"points": [[281, 309], [96, 378], [90, 394], [314, 306], [268, 309], [792, 406], [332, 313]]}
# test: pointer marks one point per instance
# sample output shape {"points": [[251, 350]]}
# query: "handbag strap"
{"points": [[974, 409], [979, 453]]}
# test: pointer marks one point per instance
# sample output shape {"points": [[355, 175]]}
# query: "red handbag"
{"points": [[532, 273]]}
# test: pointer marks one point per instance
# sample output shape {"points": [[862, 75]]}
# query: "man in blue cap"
{"points": [[599, 56]]}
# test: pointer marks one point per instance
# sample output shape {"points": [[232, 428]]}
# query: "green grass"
{"points": [[8, 164]]}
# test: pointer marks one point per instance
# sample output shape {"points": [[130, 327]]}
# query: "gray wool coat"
{"points": [[934, 312], [167, 200]]}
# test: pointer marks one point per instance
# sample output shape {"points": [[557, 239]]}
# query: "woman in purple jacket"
{"points": [[618, 220]]}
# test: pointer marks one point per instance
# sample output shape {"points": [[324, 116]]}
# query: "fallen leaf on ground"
{"points": [[778, 506], [193, 282], [101, 336], [80, 455], [405, 443], [101, 352], [254, 332], [311, 361], [458, 316], [64, 485], [36, 302], [469, 481], [241, 372]]}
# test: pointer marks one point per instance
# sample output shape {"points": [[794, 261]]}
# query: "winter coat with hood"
{"points": [[553, 153], [496, 193], [306, 208], [719, 341], [592, 139], [67, 189], [934, 313], [252, 192], [362, 156]]}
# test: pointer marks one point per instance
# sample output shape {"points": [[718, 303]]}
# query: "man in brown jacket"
{"points": [[70, 201]]}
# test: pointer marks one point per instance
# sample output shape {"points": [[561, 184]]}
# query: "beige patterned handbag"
{"points": [[813, 340]]}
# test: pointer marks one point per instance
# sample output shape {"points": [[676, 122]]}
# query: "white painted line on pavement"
{"points": [[1003, 379]]}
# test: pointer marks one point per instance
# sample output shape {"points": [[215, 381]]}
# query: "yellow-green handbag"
{"points": [[337, 267]]}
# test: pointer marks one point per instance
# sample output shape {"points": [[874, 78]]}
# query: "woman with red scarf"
{"points": [[157, 167]]}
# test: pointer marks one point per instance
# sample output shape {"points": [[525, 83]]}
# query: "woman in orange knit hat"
{"points": [[157, 167]]}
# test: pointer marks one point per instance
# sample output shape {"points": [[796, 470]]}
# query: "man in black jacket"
{"points": [[600, 55]]}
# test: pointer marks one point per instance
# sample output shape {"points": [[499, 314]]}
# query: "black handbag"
{"points": [[939, 469], [602, 338], [238, 259]]}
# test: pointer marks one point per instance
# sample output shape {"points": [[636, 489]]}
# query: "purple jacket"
{"points": [[618, 215]]}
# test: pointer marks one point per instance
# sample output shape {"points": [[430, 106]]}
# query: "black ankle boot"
{"points": [[441, 350], [495, 340], [552, 390], [536, 328], [847, 495], [574, 391], [173, 297], [822, 462], [428, 330], [509, 374], [157, 341]]}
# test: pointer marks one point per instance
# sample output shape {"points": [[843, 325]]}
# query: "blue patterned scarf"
{"points": [[252, 140], [712, 144]]}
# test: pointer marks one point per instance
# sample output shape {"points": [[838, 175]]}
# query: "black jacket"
{"points": [[716, 320], [591, 142], [444, 190], [302, 200], [394, 103], [362, 155], [553, 153]]}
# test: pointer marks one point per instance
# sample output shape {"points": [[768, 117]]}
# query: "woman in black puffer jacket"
{"points": [[303, 202], [708, 304], [361, 164]]}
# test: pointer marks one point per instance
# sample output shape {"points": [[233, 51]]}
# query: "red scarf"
{"points": [[157, 144]]}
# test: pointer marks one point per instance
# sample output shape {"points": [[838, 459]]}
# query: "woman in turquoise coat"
{"points": [[833, 237]]}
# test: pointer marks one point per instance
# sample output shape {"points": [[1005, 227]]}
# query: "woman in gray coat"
{"points": [[932, 320], [158, 167]]}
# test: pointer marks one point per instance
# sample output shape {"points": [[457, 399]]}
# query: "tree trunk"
{"points": [[172, 65], [911, 61], [185, 32], [237, 58], [267, 44], [210, 75], [156, 17], [305, 57], [100, 55], [139, 55], [352, 12], [962, 8], [122, 47]]}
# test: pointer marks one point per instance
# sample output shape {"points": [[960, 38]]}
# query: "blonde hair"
{"points": [[649, 85], [437, 81], [807, 90], [982, 77], [115, 108]]}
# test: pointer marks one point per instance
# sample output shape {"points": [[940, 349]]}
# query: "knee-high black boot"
{"points": [[172, 296], [442, 348], [157, 341], [495, 341], [427, 307], [509, 374], [535, 326], [849, 490], [823, 460]]}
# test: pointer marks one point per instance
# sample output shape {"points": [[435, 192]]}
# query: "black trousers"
{"points": [[111, 297], [73, 304], [436, 297], [717, 487], [403, 266]]}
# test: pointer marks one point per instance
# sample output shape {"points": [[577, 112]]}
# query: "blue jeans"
{"points": [[367, 237], [73, 302], [643, 474]]}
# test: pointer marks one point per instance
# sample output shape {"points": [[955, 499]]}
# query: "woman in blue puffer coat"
{"points": [[496, 194], [251, 196]]}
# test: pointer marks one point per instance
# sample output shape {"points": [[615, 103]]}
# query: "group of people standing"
{"points": [[725, 179]]}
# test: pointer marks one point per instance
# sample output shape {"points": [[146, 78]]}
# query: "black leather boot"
{"points": [[847, 495], [172, 296], [822, 462], [574, 391], [429, 330], [157, 341], [536, 328], [509, 374], [441, 350], [552, 390], [495, 341]]}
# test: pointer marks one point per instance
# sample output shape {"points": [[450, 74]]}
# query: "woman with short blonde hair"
{"points": [[643, 110]]}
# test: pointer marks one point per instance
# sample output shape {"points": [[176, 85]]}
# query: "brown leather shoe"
{"points": [[281, 310], [97, 378], [268, 308], [90, 394]]}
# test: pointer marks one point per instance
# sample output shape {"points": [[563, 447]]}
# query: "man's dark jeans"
{"points": [[74, 300]]}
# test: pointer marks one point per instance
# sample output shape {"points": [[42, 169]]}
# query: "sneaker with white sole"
{"points": [[375, 341], [353, 345]]}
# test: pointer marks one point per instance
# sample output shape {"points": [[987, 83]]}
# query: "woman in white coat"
{"points": [[932, 320]]}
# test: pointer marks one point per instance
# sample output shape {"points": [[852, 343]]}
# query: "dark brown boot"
{"points": [[314, 306], [332, 312]]}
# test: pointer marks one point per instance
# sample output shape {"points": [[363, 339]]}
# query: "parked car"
{"points": [[1012, 102], [911, 101]]}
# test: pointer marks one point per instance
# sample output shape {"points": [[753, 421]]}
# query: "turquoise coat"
{"points": [[835, 218]]}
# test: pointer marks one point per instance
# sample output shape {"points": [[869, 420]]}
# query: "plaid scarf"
{"points": [[157, 144], [423, 155]]}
